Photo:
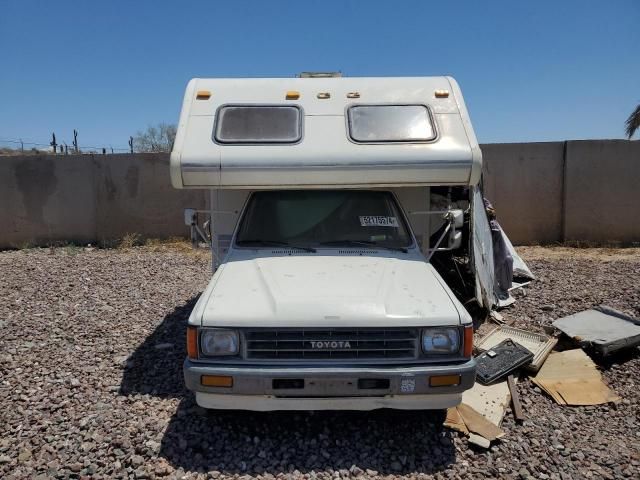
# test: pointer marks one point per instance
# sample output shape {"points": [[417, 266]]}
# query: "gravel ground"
{"points": [[91, 346]]}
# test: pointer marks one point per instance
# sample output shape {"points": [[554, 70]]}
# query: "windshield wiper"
{"points": [[274, 243], [364, 243]]}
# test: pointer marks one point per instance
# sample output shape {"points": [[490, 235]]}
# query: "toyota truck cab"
{"points": [[347, 229]]}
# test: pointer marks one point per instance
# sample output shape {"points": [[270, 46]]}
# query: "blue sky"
{"points": [[530, 71]]}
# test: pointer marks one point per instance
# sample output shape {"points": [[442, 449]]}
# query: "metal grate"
{"points": [[332, 344]]}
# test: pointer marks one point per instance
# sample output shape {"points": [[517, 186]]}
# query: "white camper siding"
{"points": [[325, 157]]}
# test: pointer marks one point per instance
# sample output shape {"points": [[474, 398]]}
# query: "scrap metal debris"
{"points": [[603, 328], [571, 378]]}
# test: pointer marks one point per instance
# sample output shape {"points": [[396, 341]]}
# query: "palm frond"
{"points": [[633, 122]]}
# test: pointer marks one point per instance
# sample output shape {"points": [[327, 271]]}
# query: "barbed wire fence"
{"points": [[30, 146]]}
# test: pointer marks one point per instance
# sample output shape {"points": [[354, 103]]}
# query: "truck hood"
{"points": [[331, 291]]}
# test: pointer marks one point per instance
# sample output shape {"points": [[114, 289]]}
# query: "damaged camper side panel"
{"points": [[482, 252]]}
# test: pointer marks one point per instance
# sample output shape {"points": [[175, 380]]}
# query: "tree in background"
{"points": [[155, 138], [633, 122]]}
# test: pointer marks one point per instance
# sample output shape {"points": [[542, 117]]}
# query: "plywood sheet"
{"points": [[571, 378], [490, 401]]}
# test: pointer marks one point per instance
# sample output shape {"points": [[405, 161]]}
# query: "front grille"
{"points": [[332, 344]]}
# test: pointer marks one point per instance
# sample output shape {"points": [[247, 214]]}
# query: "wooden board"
{"points": [[515, 399], [455, 422], [490, 401], [477, 423], [571, 378]]}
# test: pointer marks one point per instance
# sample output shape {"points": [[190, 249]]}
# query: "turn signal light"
{"points": [[444, 380], [192, 343], [203, 95], [292, 95], [467, 348], [216, 381]]}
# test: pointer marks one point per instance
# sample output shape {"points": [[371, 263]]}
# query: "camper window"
{"points": [[242, 124], [390, 123]]}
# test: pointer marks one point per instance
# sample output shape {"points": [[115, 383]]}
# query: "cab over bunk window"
{"points": [[258, 124], [390, 123]]}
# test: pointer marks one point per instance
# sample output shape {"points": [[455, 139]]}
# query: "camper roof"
{"points": [[324, 132]]}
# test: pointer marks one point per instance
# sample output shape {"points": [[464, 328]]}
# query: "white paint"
{"points": [[256, 288]]}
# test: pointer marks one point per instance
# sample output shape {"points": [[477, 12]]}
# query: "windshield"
{"points": [[307, 218]]}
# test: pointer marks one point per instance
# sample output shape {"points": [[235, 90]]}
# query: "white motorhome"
{"points": [[347, 229]]}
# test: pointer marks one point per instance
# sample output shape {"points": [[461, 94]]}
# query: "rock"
{"points": [[71, 412], [479, 440], [24, 455]]}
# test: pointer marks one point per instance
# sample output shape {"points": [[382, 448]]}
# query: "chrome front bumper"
{"points": [[334, 387]]}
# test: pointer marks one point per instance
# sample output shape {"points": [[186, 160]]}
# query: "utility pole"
{"points": [[21, 146], [75, 140], [131, 144], [53, 142]]}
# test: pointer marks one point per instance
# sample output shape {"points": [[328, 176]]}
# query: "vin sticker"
{"points": [[407, 385], [378, 221]]}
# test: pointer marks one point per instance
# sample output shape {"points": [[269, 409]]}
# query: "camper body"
{"points": [[339, 209]]}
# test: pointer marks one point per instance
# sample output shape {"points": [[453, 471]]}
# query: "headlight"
{"points": [[215, 342], [440, 340]]}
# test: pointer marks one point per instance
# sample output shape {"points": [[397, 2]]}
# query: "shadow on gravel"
{"points": [[618, 358], [155, 367], [240, 442]]}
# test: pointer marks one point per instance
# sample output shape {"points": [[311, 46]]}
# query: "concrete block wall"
{"points": [[574, 191], [524, 183], [602, 191], [544, 193], [134, 195], [46, 199]]}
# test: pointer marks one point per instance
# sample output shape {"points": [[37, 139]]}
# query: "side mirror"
{"points": [[457, 222], [458, 218]]}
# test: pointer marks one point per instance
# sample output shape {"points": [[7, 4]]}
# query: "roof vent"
{"points": [[320, 74]]}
